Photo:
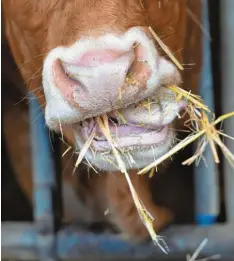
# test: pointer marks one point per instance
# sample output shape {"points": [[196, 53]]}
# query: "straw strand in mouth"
{"points": [[200, 126], [145, 216], [85, 149]]}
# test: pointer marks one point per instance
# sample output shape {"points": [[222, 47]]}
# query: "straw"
{"points": [[196, 20], [198, 251], [194, 99], [122, 117], [175, 149], [66, 151], [85, 148], [198, 122], [145, 216], [212, 136], [166, 49]]}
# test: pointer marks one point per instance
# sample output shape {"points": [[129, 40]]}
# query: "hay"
{"points": [[198, 251], [196, 21], [198, 123], [165, 49], [85, 149], [195, 100], [66, 151], [200, 126], [120, 114], [145, 216]]}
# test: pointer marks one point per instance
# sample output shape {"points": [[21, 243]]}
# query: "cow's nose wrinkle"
{"points": [[96, 58]]}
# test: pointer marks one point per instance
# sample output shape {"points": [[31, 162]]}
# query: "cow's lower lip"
{"points": [[126, 137], [144, 139]]}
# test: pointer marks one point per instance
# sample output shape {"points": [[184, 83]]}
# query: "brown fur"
{"points": [[42, 25]]}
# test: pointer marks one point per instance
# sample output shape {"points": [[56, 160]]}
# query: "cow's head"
{"points": [[98, 56]]}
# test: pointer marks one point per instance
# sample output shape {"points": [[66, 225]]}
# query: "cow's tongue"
{"points": [[125, 130], [128, 136], [125, 135]]}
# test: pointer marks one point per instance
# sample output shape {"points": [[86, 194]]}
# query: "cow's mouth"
{"points": [[126, 136], [138, 143]]}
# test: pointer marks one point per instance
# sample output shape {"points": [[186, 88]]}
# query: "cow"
{"points": [[77, 56]]}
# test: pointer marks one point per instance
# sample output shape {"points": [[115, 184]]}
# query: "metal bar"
{"points": [[206, 174], [227, 32], [57, 192], [44, 184], [19, 241]]}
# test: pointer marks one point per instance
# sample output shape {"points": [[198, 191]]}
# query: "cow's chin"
{"points": [[138, 146]]}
